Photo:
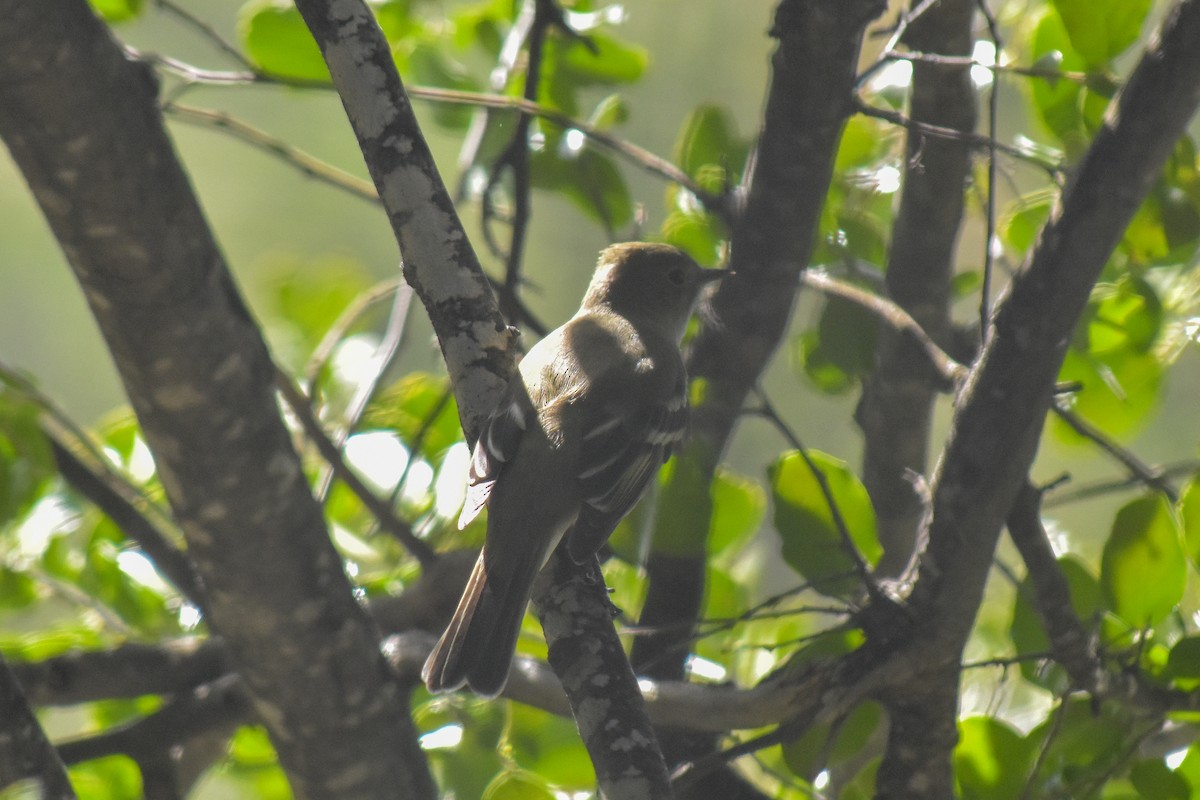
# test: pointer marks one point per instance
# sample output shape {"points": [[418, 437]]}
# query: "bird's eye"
{"points": [[676, 276]]}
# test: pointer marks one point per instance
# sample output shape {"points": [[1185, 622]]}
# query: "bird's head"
{"points": [[649, 283]]}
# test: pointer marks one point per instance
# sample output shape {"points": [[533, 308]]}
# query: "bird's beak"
{"points": [[711, 275]]}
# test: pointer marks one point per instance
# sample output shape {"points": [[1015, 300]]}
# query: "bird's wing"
{"points": [[617, 459], [498, 443]]}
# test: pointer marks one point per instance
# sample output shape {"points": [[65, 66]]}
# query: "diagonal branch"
{"points": [[83, 124], [438, 260], [998, 423]]}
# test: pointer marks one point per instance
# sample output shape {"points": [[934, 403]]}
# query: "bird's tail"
{"points": [[478, 644]]}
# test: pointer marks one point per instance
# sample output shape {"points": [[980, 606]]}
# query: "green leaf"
{"points": [[590, 180], [108, 778], [518, 785], [26, 461], [709, 137], [548, 746], [408, 407], [738, 507], [1082, 742], [991, 760], [818, 366], [848, 334], [607, 62], [1154, 780], [118, 10], [17, 589], [1058, 101], [1142, 571], [276, 39], [310, 295], [1183, 663], [700, 235], [865, 140], [812, 544], [1102, 29], [1019, 227], [432, 66], [609, 112], [1120, 389], [1189, 514], [1127, 315]]}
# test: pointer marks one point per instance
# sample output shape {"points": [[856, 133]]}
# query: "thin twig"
{"points": [[299, 405], [305, 163], [968, 137], [382, 358], [205, 30], [861, 567], [941, 59], [949, 370], [905, 18], [1138, 469], [1180, 469], [985, 291]]}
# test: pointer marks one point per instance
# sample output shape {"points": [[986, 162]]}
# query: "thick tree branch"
{"points": [[83, 124], [896, 408], [999, 420], [813, 71]]}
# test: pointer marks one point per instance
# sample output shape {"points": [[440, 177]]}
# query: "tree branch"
{"points": [[438, 260], [83, 124], [1001, 411], [26, 755]]}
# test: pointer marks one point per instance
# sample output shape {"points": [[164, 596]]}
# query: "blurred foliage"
{"points": [[71, 580]]}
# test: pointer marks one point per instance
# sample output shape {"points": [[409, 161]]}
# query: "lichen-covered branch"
{"points": [[438, 260]]}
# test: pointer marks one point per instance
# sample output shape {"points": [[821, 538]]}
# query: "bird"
{"points": [[597, 406]]}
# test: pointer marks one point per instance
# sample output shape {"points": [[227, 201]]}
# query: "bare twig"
{"points": [[305, 163], [1138, 469], [947, 369], [973, 139], [985, 291], [299, 405]]}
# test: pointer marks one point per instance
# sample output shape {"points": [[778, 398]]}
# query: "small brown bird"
{"points": [[598, 406]]}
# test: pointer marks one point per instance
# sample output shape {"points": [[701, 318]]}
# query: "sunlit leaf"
{"points": [[700, 235], [275, 38], [991, 760], [109, 778], [1020, 226], [419, 406], [118, 10], [1183, 663], [709, 137], [812, 543], [1142, 572], [1057, 101], [1189, 515], [548, 746], [1119, 389], [738, 507], [518, 785], [1126, 315], [1102, 29]]}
